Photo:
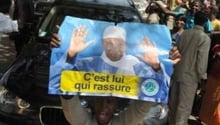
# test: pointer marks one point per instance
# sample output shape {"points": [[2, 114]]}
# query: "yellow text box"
{"points": [[93, 82]]}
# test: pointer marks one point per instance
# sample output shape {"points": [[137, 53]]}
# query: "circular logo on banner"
{"points": [[150, 87]]}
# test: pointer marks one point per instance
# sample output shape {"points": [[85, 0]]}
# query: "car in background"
{"points": [[41, 8], [27, 77]]}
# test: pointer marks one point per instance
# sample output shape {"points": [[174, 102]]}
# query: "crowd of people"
{"points": [[193, 21], [192, 37]]}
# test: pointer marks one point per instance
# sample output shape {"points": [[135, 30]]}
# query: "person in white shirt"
{"points": [[7, 25]]}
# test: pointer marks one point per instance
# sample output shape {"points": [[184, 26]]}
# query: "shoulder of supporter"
{"points": [[7, 24]]}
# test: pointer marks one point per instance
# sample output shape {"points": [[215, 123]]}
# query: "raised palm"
{"points": [[150, 55], [77, 43]]}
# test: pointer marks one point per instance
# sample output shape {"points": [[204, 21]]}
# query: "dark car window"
{"points": [[57, 14]]}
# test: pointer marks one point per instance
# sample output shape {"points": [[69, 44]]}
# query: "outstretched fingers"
{"points": [[147, 42]]}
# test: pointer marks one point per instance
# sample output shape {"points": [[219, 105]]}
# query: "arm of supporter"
{"points": [[152, 67], [136, 112], [164, 76], [144, 70], [55, 73], [202, 59], [74, 112], [66, 61], [150, 55], [164, 8], [185, 5], [77, 43], [7, 24]]}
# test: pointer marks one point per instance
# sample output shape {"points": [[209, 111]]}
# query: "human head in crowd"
{"points": [[103, 108], [196, 6], [180, 21], [200, 18], [5, 6], [114, 39], [214, 10]]}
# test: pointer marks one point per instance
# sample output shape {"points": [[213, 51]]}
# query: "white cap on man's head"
{"points": [[114, 32]]}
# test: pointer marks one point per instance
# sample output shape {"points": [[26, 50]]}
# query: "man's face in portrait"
{"points": [[114, 48]]}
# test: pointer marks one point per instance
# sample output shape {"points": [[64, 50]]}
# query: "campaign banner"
{"points": [[98, 58]]}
